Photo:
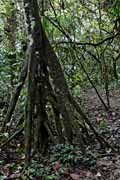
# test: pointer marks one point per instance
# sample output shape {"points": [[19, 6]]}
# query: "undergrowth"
{"points": [[62, 159]]}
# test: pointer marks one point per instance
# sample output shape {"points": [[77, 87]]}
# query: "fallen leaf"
{"points": [[98, 174], [6, 170], [57, 167], [75, 176], [15, 175]]}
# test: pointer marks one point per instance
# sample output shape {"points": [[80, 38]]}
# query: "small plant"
{"points": [[71, 155], [39, 170], [89, 158], [61, 157], [66, 154]]}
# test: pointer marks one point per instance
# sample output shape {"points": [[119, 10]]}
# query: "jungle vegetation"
{"points": [[59, 87]]}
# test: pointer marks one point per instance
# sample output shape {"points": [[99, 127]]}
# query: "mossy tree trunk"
{"points": [[43, 66]]}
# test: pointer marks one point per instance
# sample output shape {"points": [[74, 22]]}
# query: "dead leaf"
{"points": [[75, 176], [98, 174], [99, 120], [6, 170], [15, 175], [57, 167]]}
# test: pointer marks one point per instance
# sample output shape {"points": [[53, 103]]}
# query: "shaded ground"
{"points": [[97, 113], [108, 123], [107, 166], [93, 103]]}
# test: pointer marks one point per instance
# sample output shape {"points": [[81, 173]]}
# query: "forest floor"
{"points": [[107, 165], [108, 123]]}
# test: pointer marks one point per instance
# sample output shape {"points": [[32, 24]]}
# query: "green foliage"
{"points": [[76, 21], [89, 19], [1, 174], [65, 154], [61, 157], [71, 155], [40, 170], [115, 9]]}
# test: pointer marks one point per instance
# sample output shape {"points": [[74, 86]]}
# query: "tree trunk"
{"points": [[42, 53]]}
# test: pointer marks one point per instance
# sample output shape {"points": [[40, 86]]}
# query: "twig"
{"points": [[12, 137], [87, 43]]}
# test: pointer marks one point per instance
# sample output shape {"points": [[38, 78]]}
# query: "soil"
{"points": [[108, 167], [108, 125]]}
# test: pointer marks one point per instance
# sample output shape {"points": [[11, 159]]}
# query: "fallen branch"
{"points": [[12, 137]]}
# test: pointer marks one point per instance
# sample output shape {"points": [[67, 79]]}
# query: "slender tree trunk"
{"points": [[16, 95]]}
